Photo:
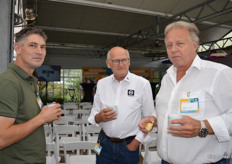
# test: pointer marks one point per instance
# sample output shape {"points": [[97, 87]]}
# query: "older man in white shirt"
{"points": [[119, 103], [200, 92]]}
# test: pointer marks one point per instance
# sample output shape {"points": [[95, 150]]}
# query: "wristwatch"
{"points": [[203, 132]]}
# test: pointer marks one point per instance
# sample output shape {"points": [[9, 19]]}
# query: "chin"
{"points": [[37, 65]]}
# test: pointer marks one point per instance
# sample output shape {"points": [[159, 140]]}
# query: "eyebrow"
{"points": [[37, 43]]}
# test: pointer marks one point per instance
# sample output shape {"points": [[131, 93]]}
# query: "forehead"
{"points": [[35, 38], [177, 34], [118, 53]]}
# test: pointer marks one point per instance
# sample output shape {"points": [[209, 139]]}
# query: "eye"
{"points": [[124, 61], [43, 47], [180, 43], [116, 61], [168, 46], [33, 45]]}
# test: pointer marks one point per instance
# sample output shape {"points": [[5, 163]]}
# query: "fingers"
{"points": [[144, 130], [186, 134], [51, 112], [188, 127], [109, 117], [59, 117], [146, 124], [145, 121], [108, 114], [53, 106]]}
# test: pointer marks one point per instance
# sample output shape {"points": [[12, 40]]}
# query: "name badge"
{"points": [[39, 101], [190, 105], [97, 148]]}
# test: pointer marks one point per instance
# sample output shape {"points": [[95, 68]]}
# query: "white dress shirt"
{"points": [[133, 98], [212, 84]]}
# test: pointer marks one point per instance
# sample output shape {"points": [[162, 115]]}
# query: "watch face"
{"points": [[203, 132]]}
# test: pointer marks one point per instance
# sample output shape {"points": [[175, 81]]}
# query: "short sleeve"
{"points": [[9, 98]]}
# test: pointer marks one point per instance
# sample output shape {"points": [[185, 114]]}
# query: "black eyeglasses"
{"points": [[117, 61]]}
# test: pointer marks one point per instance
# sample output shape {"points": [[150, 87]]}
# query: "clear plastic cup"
{"points": [[114, 107], [172, 117]]}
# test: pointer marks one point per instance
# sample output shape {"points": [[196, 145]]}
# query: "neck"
{"points": [[119, 78], [28, 70], [180, 75]]}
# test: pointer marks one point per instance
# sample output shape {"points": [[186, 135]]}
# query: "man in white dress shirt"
{"points": [[201, 92], [120, 101]]}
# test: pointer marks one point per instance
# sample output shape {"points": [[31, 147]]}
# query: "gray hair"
{"points": [[192, 28], [109, 57], [24, 33]]}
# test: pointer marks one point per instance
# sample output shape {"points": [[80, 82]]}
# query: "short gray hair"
{"points": [[24, 33], [192, 28]]}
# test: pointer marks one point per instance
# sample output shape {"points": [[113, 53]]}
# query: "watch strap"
{"points": [[203, 124], [203, 132]]}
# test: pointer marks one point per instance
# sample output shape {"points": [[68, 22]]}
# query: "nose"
{"points": [[173, 48], [39, 50], [120, 62]]}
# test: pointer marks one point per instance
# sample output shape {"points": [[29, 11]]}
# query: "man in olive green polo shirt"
{"points": [[22, 138]]}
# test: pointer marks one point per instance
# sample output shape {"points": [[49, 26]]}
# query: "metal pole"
{"points": [[6, 33]]}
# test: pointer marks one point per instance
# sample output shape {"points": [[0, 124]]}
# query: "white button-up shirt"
{"points": [[133, 98], [212, 84]]}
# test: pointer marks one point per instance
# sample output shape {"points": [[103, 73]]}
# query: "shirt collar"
{"points": [[24, 75], [197, 63], [127, 78]]}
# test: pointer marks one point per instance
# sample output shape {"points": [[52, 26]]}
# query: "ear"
{"points": [[108, 63], [195, 45], [17, 48]]}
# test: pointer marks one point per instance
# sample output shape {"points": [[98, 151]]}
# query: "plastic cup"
{"points": [[172, 117], [50, 105], [114, 107]]}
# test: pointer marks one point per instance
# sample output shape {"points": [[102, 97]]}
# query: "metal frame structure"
{"points": [[199, 14], [153, 31]]}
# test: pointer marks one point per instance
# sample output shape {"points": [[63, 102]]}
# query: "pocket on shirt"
{"points": [[202, 96]]}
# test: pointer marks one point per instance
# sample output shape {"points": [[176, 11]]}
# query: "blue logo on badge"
{"points": [[130, 92]]}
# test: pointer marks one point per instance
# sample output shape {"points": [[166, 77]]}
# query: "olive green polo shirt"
{"points": [[18, 100]]}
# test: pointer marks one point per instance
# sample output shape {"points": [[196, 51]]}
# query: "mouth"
{"points": [[174, 57], [121, 69], [37, 58]]}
